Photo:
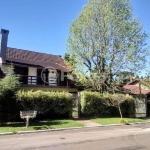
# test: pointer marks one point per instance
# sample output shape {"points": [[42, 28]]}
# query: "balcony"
{"points": [[51, 82]]}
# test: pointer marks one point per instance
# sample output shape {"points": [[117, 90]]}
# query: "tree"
{"points": [[10, 82], [106, 39], [70, 61], [8, 88], [116, 100], [124, 77]]}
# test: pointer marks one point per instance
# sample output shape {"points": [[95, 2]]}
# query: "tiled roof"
{"points": [[35, 58], [136, 90]]}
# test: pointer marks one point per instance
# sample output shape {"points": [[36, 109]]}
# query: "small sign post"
{"points": [[27, 115]]}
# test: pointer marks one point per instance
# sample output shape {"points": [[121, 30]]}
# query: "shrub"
{"points": [[8, 88], [128, 107], [124, 121], [116, 100], [92, 104], [47, 104]]}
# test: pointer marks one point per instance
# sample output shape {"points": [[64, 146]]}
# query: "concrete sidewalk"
{"points": [[88, 123]]}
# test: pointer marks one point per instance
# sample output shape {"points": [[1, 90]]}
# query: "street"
{"points": [[126, 137]]}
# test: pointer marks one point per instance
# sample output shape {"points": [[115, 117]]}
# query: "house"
{"points": [[141, 93], [137, 87], [37, 71]]}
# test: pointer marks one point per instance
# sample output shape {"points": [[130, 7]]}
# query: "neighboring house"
{"points": [[137, 87], [141, 94], [36, 70]]}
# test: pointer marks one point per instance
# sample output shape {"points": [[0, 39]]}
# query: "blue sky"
{"points": [[42, 25]]}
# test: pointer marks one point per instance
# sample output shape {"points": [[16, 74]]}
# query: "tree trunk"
{"points": [[120, 111]]}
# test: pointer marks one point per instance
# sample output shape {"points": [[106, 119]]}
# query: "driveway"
{"points": [[125, 137]]}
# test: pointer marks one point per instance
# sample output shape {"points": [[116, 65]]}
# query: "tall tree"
{"points": [[106, 39]]}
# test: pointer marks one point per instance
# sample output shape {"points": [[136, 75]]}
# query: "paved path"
{"points": [[88, 123], [131, 137]]}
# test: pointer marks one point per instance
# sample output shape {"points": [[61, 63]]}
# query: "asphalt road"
{"points": [[126, 137]]}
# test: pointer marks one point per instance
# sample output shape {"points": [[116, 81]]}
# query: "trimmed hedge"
{"points": [[128, 107], [47, 104], [92, 106], [7, 106]]}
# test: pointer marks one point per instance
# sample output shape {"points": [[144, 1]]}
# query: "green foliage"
{"points": [[10, 82], [8, 87], [70, 61], [124, 121], [124, 77], [106, 39], [47, 104], [116, 100], [128, 107], [92, 104]]}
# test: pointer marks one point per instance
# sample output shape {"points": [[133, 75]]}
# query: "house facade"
{"points": [[37, 71]]}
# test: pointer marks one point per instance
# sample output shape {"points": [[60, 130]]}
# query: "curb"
{"points": [[139, 122], [35, 131], [62, 129]]}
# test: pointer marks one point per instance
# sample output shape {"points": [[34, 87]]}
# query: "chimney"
{"points": [[3, 44]]}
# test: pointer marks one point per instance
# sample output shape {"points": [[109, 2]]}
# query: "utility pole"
{"points": [[140, 87]]}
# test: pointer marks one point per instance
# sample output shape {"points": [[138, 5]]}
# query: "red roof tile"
{"points": [[136, 90], [35, 58]]}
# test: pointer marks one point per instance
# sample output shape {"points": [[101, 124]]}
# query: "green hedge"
{"points": [[128, 107], [92, 105], [47, 104], [7, 107]]}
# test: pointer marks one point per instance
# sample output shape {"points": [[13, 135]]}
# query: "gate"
{"points": [[76, 105], [148, 107]]}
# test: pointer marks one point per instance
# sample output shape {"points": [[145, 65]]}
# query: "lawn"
{"points": [[39, 125], [105, 121], [56, 124]]}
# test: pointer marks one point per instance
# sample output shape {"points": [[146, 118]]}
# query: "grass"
{"points": [[106, 121], [55, 124], [39, 125]]}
